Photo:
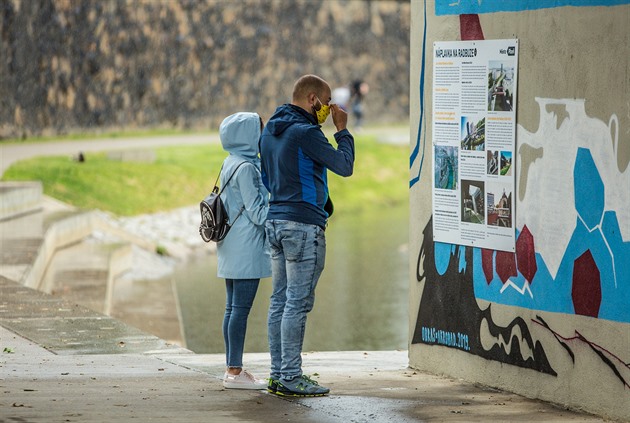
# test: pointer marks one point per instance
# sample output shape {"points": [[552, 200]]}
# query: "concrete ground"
{"points": [[40, 385], [63, 362]]}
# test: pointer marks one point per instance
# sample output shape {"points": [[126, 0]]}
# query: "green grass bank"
{"points": [[182, 175]]}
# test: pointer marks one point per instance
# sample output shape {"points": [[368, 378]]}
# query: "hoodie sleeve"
{"points": [[253, 194], [317, 147]]}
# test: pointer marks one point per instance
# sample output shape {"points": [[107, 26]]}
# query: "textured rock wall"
{"points": [[94, 65]]}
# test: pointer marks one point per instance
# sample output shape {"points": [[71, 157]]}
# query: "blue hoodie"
{"points": [[295, 158], [243, 253]]}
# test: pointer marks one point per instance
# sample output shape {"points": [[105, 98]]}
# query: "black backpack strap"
{"points": [[230, 178], [227, 182], [217, 180], [240, 212]]}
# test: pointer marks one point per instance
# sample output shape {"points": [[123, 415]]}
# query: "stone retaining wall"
{"points": [[94, 65]]}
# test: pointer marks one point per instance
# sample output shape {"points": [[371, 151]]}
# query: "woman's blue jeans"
{"points": [[240, 294], [298, 252]]}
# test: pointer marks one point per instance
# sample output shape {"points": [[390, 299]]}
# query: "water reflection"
{"points": [[361, 300]]}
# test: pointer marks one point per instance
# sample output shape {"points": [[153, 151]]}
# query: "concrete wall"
{"points": [[564, 334], [94, 65]]}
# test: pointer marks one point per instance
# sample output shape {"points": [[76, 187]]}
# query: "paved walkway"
{"points": [[10, 153], [89, 368], [62, 362]]}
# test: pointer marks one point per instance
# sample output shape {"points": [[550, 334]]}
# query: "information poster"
{"points": [[474, 131]]}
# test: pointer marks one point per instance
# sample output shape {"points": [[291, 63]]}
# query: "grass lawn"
{"points": [[182, 176]]}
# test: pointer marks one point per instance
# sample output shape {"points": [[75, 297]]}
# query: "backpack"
{"points": [[215, 223]]}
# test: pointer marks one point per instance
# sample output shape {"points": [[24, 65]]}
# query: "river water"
{"points": [[361, 301]]}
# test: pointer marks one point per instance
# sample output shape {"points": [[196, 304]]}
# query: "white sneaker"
{"points": [[243, 380]]}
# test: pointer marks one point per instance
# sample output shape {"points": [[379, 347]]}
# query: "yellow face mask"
{"points": [[322, 112]]}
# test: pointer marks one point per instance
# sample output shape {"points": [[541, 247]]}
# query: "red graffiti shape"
{"points": [[526, 254], [587, 290], [506, 265], [470, 28], [487, 265]]}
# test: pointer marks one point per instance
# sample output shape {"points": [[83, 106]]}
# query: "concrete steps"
{"points": [[19, 198], [50, 247]]}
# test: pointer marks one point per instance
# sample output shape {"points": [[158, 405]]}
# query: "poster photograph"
{"points": [[446, 165], [474, 131]]}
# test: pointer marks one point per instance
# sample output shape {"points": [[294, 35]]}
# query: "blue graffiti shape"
{"points": [[418, 147], [596, 230], [450, 316], [589, 190], [462, 7]]}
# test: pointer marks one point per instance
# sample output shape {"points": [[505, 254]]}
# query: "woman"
{"points": [[243, 255]]}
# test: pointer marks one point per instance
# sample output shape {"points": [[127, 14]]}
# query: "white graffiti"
{"points": [[525, 288], [547, 204], [488, 340]]}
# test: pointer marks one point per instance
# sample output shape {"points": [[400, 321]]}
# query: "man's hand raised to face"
{"points": [[339, 116]]}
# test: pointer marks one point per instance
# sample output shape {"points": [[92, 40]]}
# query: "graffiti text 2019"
{"points": [[449, 339]]}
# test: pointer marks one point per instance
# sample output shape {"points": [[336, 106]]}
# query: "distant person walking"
{"points": [[295, 158], [242, 255], [358, 91], [341, 97]]}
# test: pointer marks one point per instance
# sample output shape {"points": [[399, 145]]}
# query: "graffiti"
{"points": [[620, 369], [450, 316], [590, 277], [460, 7], [587, 269], [449, 339], [571, 255], [559, 303], [420, 146]]}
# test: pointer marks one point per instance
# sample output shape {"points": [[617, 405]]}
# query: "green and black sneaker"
{"points": [[302, 386], [272, 386]]}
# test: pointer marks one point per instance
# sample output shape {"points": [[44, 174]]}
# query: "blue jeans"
{"points": [[298, 252], [240, 294]]}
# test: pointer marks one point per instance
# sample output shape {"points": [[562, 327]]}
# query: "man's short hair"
{"points": [[308, 84]]}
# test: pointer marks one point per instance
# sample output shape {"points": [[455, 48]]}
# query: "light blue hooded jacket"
{"points": [[243, 253]]}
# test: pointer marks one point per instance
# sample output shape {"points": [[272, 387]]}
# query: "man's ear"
{"points": [[314, 100]]}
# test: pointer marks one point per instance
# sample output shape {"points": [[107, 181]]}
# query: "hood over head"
{"points": [[287, 115], [240, 133]]}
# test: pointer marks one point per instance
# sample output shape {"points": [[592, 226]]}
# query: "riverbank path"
{"points": [[13, 152]]}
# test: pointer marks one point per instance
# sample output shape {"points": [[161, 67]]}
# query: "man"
{"points": [[295, 158]]}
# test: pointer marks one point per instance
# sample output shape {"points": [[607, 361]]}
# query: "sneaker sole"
{"points": [[272, 387], [251, 388], [296, 394]]}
